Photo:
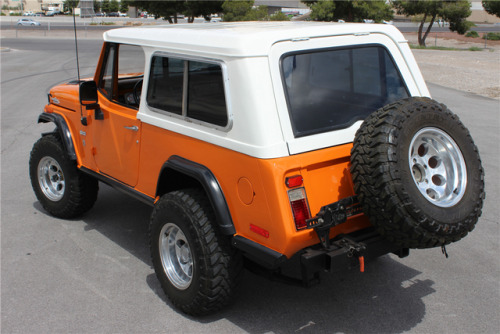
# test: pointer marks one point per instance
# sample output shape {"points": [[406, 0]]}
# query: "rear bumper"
{"points": [[347, 252], [343, 252]]}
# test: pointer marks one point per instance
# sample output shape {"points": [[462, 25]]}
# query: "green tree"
{"points": [[280, 16], [69, 5], [97, 6], [236, 10], [323, 10], [123, 6], [454, 11], [105, 6], [457, 12], [169, 10], [245, 11], [194, 9], [114, 6], [492, 7], [350, 11], [257, 14]]}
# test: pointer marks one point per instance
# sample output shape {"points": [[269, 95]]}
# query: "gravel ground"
{"points": [[471, 71]]}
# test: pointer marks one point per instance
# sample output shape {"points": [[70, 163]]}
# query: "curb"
{"points": [[4, 49]]}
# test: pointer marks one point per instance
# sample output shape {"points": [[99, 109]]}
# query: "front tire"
{"points": [[60, 187], [195, 264]]}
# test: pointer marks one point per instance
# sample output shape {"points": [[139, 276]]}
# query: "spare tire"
{"points": [[418, 174]]}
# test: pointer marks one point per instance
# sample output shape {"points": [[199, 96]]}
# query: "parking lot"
{"points": [[94, 274]]}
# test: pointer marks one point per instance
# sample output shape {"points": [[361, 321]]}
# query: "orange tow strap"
{"points": [[361, 264]]}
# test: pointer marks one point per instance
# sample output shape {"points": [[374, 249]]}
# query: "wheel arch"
{"points": [[178, 173], [62, 129]]}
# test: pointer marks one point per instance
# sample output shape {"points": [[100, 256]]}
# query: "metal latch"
{"points": [[332, 215]]}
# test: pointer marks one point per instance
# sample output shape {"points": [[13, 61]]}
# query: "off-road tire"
{"points": [[205, 281], [386, 178], [73, 193]]}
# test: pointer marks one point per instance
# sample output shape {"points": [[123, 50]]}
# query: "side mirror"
{"points": [[89, 99], [88, 93]]}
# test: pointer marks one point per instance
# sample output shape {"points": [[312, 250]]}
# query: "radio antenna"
{"points": [[76, 47], [82, 119]]}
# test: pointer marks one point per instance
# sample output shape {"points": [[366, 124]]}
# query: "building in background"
{"points": [[35, 6], [85, 8]]}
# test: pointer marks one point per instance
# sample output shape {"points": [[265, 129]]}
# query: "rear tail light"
{"points": [[294, 181], [300, 208]]}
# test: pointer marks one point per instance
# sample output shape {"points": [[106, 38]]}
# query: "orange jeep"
{"points": [[311, 146]]}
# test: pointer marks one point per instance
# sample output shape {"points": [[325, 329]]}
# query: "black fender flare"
{"points": [[209, 183], [63, 129]]}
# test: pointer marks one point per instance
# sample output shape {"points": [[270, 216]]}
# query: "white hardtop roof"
{"points": [[239, 39]]}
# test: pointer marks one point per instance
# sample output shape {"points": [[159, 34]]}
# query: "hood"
{"points": [[66, 95]]}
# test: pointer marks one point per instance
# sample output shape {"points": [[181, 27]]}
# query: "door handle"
{"points": [[133, 128]]}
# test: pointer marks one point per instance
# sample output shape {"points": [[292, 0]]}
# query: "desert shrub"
{"points": [[492, 36], [472, 33]]}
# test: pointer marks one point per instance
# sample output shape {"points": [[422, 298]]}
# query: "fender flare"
{"points": [[211, 186], [63, 129]]}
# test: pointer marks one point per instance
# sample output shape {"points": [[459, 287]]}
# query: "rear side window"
{"points": [[331, 89], [193, 89]]}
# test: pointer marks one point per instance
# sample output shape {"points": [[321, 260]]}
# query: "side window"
{"points": [[122, 73], [331, 89], [192, 89], [106, 82], [206, 100], [165, 84]]}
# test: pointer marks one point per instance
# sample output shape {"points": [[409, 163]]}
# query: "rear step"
{"points": [[344, 252]]}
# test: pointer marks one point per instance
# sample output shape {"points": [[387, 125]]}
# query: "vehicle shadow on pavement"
{"points": [[122, 219], [387, 297]]}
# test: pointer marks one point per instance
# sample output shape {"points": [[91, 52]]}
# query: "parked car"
{"points": [[27, 22], [113, 14]]}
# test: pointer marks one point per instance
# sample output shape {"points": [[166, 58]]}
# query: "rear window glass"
{"points": [[331, 89]]}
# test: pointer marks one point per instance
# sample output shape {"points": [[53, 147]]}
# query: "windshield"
{"points": [[333, 88]]}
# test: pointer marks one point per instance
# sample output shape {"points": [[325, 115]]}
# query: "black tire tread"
{"points": [[221, 263], [82, 188], [378, 184]]}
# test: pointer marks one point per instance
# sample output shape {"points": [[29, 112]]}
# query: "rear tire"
{"points": [[60, 187], [418, 174], [197, 267]]}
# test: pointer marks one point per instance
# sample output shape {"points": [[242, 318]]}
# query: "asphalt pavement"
{"points": [[94, 274]]}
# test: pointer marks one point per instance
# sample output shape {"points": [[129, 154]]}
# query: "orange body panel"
{"points": [[116, 142], [254, 189]]}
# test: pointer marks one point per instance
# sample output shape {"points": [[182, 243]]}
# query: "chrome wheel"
{"points": [[176, 256], [51, 179], [438, 167]]}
